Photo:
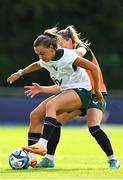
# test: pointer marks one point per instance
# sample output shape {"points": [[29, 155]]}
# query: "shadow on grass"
{"points": [[49, 170]]}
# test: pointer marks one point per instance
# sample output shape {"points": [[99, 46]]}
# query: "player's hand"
{"points": [[99, 97], [32, 90], [13, 77]]}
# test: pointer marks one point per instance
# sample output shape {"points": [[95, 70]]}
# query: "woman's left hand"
{"points": [[32, 90]]}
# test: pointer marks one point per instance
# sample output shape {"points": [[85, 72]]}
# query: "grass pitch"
{"points": [[78, 156]]}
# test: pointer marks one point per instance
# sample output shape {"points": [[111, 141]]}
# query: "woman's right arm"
{"points": [[15, 76], [84, 63]]}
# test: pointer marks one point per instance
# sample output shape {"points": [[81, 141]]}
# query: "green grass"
{"points": [[78, 156]]}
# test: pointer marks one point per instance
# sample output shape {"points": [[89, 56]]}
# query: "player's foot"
{"points": [[33, 162], [36, 149], [114, 164], [45, 163]]}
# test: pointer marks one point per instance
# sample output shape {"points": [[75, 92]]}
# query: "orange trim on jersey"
{"points": [[101, 83]]}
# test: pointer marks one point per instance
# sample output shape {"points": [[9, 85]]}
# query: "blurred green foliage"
{"points": [[100, 21]]}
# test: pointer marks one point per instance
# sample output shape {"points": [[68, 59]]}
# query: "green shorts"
{"points": [[85, 96], [95, 104]]}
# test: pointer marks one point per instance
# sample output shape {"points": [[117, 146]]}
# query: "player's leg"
{"points": [[37, 117], [60, 103], [94, 117], [36, 123], [48, 160]]}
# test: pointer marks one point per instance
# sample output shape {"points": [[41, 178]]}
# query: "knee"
{"points": [[32, 115], [34, 119], [50, 106]]}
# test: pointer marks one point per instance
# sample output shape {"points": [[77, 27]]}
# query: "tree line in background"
{"points": [[99, 21]]}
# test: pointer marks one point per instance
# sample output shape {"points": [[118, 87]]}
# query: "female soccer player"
{"points": [[70, 39], [74, 85]]}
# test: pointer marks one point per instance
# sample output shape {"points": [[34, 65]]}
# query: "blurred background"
{"points": [[21, 21]]}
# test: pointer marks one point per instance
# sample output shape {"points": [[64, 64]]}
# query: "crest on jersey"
{"points": [[55, 68]]}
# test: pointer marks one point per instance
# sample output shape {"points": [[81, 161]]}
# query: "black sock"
{"points": [[101, 139], [54, 139], [49, 126], [33, 138]]}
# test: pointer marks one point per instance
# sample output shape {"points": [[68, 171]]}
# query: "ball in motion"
{"points": [[19, 159]]}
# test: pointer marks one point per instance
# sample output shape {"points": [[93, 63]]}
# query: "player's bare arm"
{"points": [[36, 89], [15, 76]]}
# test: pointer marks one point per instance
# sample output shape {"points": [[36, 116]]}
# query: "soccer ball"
{"points": [[19, 159]]}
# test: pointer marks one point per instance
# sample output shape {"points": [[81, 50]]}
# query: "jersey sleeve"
{"points": [[82, 50], [70, 56], [40, 63]]}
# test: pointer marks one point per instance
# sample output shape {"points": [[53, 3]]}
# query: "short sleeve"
{"points": [[70, 56], [82, 50], [40, 63]]}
